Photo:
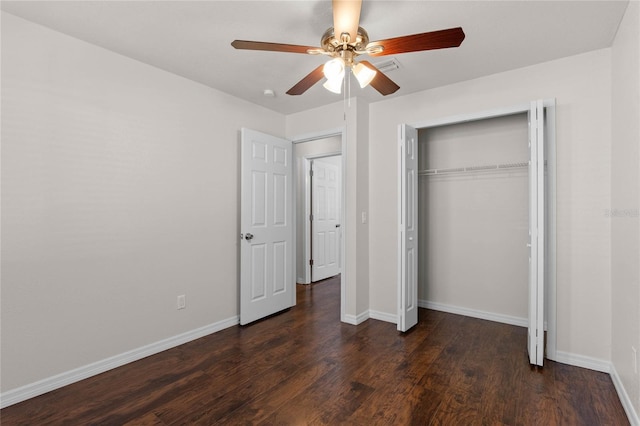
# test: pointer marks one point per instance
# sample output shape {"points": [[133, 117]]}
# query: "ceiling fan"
{"points": [[346, 40]]}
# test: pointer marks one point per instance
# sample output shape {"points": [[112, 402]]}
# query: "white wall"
{"points": [[119, 192], [303, 150], [473, 226], [582, 86], [625, 197]]}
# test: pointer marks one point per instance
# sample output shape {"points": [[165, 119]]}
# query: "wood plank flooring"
{"points": [[305, 367]]}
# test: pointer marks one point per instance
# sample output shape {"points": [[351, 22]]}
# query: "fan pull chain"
{"points": [[349, 94], [349, 83], [344, 95]]}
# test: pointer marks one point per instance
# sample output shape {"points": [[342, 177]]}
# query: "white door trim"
{"points": [[475, 116], [550, 211], [308, 137]]}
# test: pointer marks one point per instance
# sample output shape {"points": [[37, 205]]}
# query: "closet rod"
{"points": [[493, 167]]}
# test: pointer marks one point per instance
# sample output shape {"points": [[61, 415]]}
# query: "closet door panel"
{"points": [[407, 227], [535, 341]]}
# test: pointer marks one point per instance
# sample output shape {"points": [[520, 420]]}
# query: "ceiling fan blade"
{"points": [[273, 47], [381, 82], [303, 85], [346, 18], [417, 42]]}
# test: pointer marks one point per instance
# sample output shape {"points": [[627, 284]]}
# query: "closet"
{"points": [[473, 218], [476, 219]]}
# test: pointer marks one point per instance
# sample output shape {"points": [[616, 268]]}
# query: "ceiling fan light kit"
{"points": [[333, 70], [352, 42], [363, 74], [334, 85]]}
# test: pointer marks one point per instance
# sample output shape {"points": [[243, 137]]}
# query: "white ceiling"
{"points": [[192, 38]]}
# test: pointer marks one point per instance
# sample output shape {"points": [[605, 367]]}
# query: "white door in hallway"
{"points": [[325, 221], [267, 282]]}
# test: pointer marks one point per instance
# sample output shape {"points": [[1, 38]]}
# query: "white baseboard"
{"points": [[474, 313], [356, 319], [383, 316], [362, 317], [632, 415], [583, 361], [40, 387]]}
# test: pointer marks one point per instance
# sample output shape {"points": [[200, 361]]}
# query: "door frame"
{"points": [[550, 323], [310, 137], [308, 194]]}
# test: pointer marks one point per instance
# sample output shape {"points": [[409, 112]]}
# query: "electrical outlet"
{"points": [[182, 302], [635, 359]]}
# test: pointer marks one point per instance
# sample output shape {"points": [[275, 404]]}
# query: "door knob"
{"points": [[338, 225], [248, 236]]}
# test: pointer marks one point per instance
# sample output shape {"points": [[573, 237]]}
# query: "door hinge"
{"points": [[311, 173], [311, 262], [311, 217]]}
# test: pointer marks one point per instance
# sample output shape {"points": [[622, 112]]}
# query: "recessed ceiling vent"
{"points": [[388, 65]]}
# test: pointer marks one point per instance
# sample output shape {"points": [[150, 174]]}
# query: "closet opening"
{"points": [[473, 218], [476, 220]]}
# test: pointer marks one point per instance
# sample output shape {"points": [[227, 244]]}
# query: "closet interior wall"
{"points": [[473, 217]]}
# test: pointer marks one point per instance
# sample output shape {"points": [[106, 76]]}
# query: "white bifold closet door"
{"points": [[535, 342], [407, 227]]}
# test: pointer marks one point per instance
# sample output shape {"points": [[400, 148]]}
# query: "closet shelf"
{"points": [[493, 167]]}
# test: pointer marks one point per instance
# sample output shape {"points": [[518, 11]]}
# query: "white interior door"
{"points": [[325, 223], [267, 283], [535, 342], [408, 228]]}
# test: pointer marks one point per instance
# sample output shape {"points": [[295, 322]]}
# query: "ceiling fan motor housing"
{"points": [[344, 47]]}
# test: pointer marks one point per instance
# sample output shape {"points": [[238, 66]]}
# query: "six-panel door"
{"points": [[267, 285]]}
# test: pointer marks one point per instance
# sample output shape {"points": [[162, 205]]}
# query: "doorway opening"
{"points": [[537, 238], [319, 162], [316, 211], [473, 219], [268, 219]]}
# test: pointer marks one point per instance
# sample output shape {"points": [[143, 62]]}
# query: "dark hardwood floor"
{"points": [[305, 367]]}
